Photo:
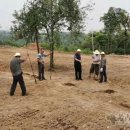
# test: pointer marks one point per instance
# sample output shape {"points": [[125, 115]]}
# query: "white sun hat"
{"points": [[102, 53], [96, 52], [78, 50], [17, 54]]}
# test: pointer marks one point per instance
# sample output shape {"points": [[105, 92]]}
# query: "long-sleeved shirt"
{"points": [[41, 57], [15, 66], [103, 62], [77, 56], [96, 59]]}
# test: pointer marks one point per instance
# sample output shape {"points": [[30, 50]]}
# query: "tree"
{"points": [[49, 16], [115, 20], [27, 23]]}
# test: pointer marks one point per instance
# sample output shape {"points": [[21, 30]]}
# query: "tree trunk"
{"points": [[124, 48], [52, 49], [52, 56], [125, 33], [108, 47], [37, 41]]}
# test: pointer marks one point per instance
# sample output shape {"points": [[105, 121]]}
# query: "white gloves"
{"points": [[101, 69]]}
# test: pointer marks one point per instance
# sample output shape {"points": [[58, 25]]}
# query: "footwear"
{"points": [[11, 94], [40, 79], [80, 79], [43, 78], [26, 94]]}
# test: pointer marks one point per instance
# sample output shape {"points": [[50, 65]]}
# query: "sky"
{"points": [[93, 23]]}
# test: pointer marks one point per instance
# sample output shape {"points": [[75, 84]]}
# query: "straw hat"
{"points": [[102, 53], [96, 52], [17, 55], [78, 50]]}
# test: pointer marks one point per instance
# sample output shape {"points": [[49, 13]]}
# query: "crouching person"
{"points": [[15, 67], [103, 74]]}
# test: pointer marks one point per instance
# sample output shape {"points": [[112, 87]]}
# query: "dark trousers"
{"points": [[41, 71], [78, 70], [16, 79], [103, 75], [94, 69]]}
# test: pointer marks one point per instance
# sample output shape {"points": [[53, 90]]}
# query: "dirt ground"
{"points": [[63, 103]]}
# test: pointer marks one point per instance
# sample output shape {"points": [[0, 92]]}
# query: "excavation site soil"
{"points": [[63, 103]]}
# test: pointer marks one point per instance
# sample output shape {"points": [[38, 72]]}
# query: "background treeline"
{"points": [[113, 38], [70, 42], [7, 39]]}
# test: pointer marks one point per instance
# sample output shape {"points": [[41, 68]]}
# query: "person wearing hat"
{"points": [[103, 75], [40, 60], [95, 64], [77, 65], [15, 67]]}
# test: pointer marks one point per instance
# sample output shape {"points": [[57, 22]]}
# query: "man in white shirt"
{"points": [[95, 64]]}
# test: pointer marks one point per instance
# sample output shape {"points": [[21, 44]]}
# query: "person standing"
{"points": [[103, 74], [77, 65], [15, 67], [40, 60], [95, 64]]}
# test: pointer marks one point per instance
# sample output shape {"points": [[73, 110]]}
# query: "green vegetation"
{"points": [[114, 38], [6, 39], [48, 17]]}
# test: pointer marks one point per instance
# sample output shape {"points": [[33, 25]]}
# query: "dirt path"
{"points": [[63, 103]]}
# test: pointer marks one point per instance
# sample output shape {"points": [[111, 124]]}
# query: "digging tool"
{"points": [[31, 64], [50, 61]]}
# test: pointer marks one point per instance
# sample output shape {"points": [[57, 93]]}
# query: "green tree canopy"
{"points": [[48, 16]]}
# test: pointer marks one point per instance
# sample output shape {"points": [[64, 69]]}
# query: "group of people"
{"points": [[98, 66]]}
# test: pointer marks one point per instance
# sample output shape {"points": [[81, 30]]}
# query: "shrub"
{"points": [[45, 45], [86, 51], [119, 51]]}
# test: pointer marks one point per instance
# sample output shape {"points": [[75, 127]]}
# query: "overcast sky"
{"points": [[7, 8]]}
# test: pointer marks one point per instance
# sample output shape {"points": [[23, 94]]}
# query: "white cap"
{"points": [[102, 53], [17, 54], [78, 50], [96, 52]]}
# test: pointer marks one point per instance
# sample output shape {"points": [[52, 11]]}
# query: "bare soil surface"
{"points": [[63, 103]]}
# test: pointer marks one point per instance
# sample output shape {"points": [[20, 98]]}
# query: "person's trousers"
{"points": [[103, 75], [41, 71], [78, 70], [94, 69], [16, 79]]}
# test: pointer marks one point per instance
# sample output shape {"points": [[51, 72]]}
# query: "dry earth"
{"points": [[63, 103]]}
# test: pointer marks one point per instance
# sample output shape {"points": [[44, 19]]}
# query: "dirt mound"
{"points": [[125, 105], [69, 84], [109, 91]]}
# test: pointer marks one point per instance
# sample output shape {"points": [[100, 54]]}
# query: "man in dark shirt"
{"points": [[15, 67], [77, 65]]}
